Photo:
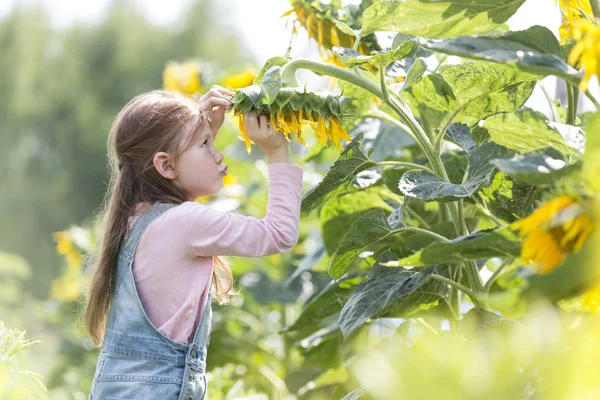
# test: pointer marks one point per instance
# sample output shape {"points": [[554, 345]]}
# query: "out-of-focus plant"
{"points": [[16, 383]]}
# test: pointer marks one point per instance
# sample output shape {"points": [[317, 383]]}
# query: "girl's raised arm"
{"points": [[216, 233]]}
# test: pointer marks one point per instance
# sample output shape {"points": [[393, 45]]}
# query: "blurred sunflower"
{"points": [[553, 230], [241, 79], [586, 53], [67, 287], [291, 110], [572, 11], [318, 20], [66, 248], [184, 78]]}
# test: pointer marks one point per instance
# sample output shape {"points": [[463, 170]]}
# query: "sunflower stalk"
{"points": [[596, 10], [288, 75]]}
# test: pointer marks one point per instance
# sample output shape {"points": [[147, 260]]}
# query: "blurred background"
{"points": [[67, 67]]}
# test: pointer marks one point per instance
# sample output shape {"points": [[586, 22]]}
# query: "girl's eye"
{"points": [[205, 142]]}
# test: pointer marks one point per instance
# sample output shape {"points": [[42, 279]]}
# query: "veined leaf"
{"points": [[391, 292], [534, 50], [481, 245], [438, 18], [524, 131], [429, 187], [399, 51], [352, 161], [339, 213], [327, 303], [541, 166], [371, 231]]}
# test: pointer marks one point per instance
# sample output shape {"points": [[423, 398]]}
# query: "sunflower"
{"points": [[586, 53], [184, 78], [291, 110], [318, 20], [66, 248], [555, 229], [240, 80], [572, 11]]}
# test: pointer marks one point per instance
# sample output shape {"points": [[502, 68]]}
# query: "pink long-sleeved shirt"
{"points": [[173, 262]]}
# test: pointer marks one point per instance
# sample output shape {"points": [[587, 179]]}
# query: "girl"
{"points": [[148, 307]]}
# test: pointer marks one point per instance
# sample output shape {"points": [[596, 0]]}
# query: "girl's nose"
{"points": [[219, 157]]}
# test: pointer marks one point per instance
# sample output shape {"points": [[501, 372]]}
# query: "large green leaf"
{"points": [[391, 292], [429, 187], [479, 88], [352, 161], [327, 303], [541, 166], [339, 213], [524, 131], [438, 18], [534, 50], [484, 88], [481, 245], [371, 231], [400, 49], [507, 198]]}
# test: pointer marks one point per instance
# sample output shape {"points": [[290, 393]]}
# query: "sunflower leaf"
{"points": [[538, 167], [391, 293], [481, 245], [447, 18], [351, 57], [429, 187], [371, 231], [534, 50], [352, 161]]}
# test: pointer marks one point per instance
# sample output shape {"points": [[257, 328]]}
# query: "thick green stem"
{"points": [[592, 99], [550, 102], [595, 9], [490, 282], [288, 74], [440, 137], [456, 285], [426, 232], [404, 164], [572, 104]]}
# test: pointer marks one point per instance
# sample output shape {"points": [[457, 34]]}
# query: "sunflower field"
{"points": [[448, 229]]}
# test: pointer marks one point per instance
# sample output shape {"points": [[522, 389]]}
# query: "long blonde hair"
{"points": [[151, 122]]}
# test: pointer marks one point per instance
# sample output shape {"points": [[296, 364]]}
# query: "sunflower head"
{"points": [[291, 110], [572, 11], [557, 228], [318, 18], [586, 52]]}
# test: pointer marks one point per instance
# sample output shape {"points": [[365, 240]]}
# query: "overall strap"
{"points": [[140, 225]]}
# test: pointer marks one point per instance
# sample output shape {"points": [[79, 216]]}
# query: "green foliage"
{"points": [[17, 383]]}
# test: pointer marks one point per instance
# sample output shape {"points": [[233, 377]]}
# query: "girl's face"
{"points": [[200, 169]]}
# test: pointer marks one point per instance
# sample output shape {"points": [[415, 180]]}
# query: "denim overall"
{"points": [[136, 361]]}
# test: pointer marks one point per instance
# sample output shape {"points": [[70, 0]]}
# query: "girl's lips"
{"points": [[224, 171]]}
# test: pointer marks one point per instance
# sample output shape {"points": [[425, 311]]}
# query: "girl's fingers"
{"points": [[251, 122], [222, 90], [263, 120], [216, 101]]}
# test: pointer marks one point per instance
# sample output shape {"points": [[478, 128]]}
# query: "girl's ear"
{"points": [[164, 165]]}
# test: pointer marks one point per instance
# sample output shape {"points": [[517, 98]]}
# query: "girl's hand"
{"points": [[215, 102], [261, 132]]}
